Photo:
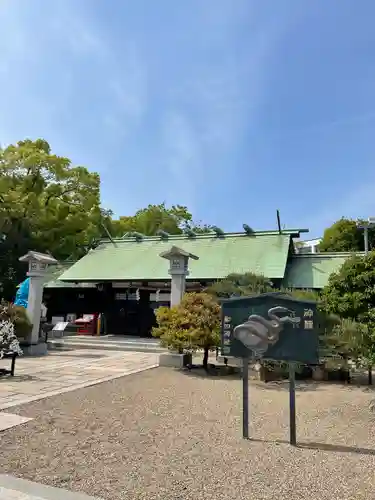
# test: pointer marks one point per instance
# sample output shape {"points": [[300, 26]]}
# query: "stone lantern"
{"points": [[38, 265], [179, 270]]}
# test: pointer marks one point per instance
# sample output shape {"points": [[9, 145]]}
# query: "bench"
{"points": [[12, 356]]}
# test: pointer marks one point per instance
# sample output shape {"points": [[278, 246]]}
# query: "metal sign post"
{"points": [[245, 397], [292, 404], [275, 327]]}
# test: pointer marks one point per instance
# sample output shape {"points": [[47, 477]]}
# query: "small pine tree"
{"points": [[235, 285], [192, 325]]}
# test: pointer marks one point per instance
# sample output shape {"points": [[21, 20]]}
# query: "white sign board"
{"points": [[60, 327], [57, 319]]}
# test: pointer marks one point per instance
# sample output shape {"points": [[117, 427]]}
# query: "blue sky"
{"points": [[232, 107]]}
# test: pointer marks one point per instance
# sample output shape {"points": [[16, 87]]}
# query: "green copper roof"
{"points": [[313, 270], [137, 259], [54, 273]]}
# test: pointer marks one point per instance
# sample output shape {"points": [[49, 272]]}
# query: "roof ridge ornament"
{"points": [[133, 234], [189, 232], [218, 231], [248, 230], [163, 234], [138, 236]]}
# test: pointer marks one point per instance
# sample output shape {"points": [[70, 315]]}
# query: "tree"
{"points": [[349, 339], [46, 204], [192, 325], [247, 284], [345, 236], [150, 220], [235, 285], [350, 293], [303, 294], [57, 203]]}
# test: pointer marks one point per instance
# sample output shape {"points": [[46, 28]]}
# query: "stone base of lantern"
{"points": [[34, 349], [175, 360]]}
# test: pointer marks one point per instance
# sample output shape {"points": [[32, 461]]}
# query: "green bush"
{"points": [[192, 325], [236, 285], [18, 316]]}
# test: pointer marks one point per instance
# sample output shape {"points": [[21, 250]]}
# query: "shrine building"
{"points": [[126, 279]]}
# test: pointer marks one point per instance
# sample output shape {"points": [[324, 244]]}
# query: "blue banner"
{"points": [[22, 294]]}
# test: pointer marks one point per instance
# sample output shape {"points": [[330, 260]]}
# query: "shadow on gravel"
{"points": [[213, 372], [221, 372], [283, 385], [83, 356], [231, 373], [57, 350], [228, 373], [336, 448], [17, 378]]}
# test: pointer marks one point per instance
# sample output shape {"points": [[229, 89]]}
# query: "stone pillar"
{"points": [[38, 264], [179, 270], [178, 287], [34, 305]]}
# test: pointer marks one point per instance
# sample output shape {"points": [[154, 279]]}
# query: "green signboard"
{"points": [[270, 326]]}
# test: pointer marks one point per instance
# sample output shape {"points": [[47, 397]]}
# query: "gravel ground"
{"points": [[164, 434]]}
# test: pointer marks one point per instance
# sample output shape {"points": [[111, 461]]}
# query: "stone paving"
{"points": [[8, 420], [64, 371], [12, 488]]}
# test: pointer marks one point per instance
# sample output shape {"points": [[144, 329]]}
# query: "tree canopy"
{"points": [[154, 218], [236, 285], [45, 204], [345, 236], [350, 294], [58, 205]]}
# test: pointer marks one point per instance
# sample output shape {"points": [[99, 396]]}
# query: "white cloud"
{"points": [[211, 110]]}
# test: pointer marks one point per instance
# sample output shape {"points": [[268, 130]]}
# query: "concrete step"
{"points": [[14, 488], [135, 345]]}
